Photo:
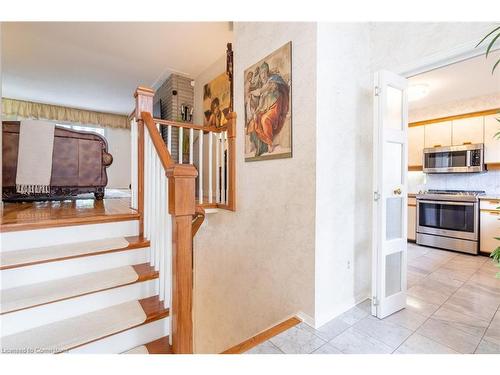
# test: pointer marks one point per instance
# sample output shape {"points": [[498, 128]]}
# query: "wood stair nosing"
{"points": [[135, 242], [68, 221], [144, 272]]}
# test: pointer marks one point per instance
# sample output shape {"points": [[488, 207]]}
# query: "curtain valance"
{"points": [[40, 111]]}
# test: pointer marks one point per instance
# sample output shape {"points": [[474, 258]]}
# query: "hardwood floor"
{"points": [[37, 215]]}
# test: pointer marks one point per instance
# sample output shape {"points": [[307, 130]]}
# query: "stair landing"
{"points": [[17, 216]]}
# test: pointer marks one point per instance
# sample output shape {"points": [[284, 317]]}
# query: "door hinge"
{"points": [[376, 196], [374, 301], [377, 91]]}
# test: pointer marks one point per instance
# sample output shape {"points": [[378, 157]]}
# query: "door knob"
{"points": [[397, 191]]}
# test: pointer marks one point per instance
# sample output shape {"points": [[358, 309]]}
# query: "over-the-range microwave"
{"points": [[454, 159]]}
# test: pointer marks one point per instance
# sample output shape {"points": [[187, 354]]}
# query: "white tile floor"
{"points": [[453, 306]]}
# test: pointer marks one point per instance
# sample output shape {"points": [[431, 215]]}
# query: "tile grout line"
{"points": [[430, 316], [276, 346], [489, 325], [344, 330], [415, 331], [441, 305]]}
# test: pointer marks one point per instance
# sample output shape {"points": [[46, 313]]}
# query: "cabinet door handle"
{"points": [[467, 143]]}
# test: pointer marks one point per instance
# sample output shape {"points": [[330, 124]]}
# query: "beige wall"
{"points": [[255, 267], [119, 147]]}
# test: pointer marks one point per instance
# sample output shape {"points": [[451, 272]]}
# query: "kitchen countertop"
{"points": [[486, 196]]}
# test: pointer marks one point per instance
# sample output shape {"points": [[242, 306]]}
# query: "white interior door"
{"points": [[390, 166]]}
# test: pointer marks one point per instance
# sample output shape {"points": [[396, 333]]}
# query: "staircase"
{"points": [[115, 278], [74, 295]]}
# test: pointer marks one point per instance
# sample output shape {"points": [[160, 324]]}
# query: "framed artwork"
{"points": [[268, 106], [216, 101]]}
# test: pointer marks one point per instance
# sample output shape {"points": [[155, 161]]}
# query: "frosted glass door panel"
{"points": [[394, 219], [393, 274], [394, 109], [393, 171]]}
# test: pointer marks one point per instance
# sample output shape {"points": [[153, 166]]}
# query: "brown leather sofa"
{"points": [[79, 163]]}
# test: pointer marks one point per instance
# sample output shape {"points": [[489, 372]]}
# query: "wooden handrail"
{"points": [[187, 125], [198, 218], [159, 144], [181, 206]]}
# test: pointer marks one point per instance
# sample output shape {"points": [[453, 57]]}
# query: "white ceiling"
{"points": [[97, 66], [466, 79]]}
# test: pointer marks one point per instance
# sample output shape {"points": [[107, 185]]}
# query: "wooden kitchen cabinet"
{"points": [[489, 221], [491, 145], [416, 145], [412, 219], [467, 131], [438, 134]]}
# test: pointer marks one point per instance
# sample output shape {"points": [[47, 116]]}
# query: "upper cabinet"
{"points": [[415, 146], [480, 127], [467, 131], [491, 145], [438, 134]]}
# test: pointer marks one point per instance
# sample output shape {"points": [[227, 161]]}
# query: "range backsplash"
{"points": [[488, 181]]}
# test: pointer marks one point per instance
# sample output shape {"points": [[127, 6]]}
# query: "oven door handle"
{"points": [[447, 202]]}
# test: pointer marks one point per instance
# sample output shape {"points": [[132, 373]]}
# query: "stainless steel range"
{"points": [[449, 219]]}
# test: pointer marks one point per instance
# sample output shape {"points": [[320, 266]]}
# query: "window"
{"points": [[83, 128]]}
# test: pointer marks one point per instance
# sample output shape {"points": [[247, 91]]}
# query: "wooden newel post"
{"points": [[143, 103], [181, 205], [231, 160]]}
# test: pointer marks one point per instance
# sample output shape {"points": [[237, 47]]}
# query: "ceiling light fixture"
{"points": [[417, 92]]}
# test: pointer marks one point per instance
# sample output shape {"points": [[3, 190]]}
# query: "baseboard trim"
{"points": [[340, 310], [307, 319], [263, 336]]}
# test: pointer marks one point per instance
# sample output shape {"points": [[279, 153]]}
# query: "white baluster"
{"points": [[168, 252], [210, 161], [222, 169], [227, 166], [157, 211], [191, 141], [162, 241], [200, 167], [217, 167], [133, 163], [147, 192], [151, 212], [147, 167], [181, 138], [169, 140]]}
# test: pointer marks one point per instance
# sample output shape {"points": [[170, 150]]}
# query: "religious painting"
{"points": [[216, 101], [268, 106]]}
